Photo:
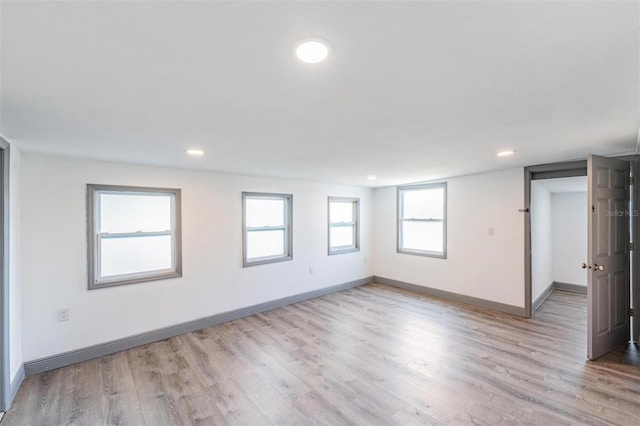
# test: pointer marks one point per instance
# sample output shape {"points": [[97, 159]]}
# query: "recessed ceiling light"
{"points": [[371, 177], [195, 152], [312, 50], [505, 153]]}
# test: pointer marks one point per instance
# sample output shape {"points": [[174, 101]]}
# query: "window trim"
{"points": [[93, 237], [356, 226], [288, 229], [400, 220]]}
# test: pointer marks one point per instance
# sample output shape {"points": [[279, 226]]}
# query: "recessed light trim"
{"points": [[195, 152], [506, 153], [371, 177], [312, 50]]}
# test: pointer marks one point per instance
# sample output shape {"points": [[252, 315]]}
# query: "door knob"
{"points": [[595, 267]]}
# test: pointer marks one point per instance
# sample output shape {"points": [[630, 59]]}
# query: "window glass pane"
{"points": [[131, 213], [340, 212], [265, 243], [424, 203], [341, 236], [264, 212], [135, 254], [426, 236]]}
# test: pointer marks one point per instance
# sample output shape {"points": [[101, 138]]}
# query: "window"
{"points": [[133, 234], [344, 229], [422, 220], [266, 228]]}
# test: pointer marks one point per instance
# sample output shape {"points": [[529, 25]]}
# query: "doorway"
{"points": [[612, 290], [558, 236]]}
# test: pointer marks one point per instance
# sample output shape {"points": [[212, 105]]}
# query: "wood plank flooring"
{"points": [[374, 355]]}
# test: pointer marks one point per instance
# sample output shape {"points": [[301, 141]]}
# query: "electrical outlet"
{"points": [[310, 269], [63, 314], [492, 231]]}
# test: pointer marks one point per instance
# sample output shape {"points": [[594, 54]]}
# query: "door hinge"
{"points": [[632, 180], [630, 312], [629, 246]]}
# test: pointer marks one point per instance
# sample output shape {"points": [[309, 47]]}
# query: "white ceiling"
{"points": [[413, 90], [570, 184]]}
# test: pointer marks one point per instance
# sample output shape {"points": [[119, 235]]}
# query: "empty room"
{"points": [[319, 212]]}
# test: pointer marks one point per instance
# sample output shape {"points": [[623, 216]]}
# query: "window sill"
{"points": [[134, 280], [265, 260], [423, 253], [336, 251]]}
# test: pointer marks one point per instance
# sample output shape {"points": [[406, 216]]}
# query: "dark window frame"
{"points": [[95, 280], [287, 228], [401, 219], [355, 223]]}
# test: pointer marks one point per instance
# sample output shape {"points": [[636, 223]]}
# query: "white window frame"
{"points": [[355, 223], [94, 239], [287, 227], [401, 220]]}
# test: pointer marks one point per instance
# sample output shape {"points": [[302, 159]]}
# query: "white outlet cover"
{"points": [[63, 314]]}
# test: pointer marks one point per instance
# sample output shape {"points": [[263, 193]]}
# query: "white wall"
{"points": [[541, 241], [569, 236], [478, 265], [214, 281], [15, 308]]}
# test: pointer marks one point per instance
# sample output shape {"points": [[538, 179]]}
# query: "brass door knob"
{"points": [[585, 266], [598, 267]]}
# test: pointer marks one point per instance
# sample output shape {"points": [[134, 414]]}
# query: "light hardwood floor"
{"points": [[371, 355]]}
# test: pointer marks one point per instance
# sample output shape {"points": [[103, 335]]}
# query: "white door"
{"points": [[608, 280]]}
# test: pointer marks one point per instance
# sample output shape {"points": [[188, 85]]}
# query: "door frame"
{"points": [[635, 238], [579, 168], [5, 384], [542, 171]]}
